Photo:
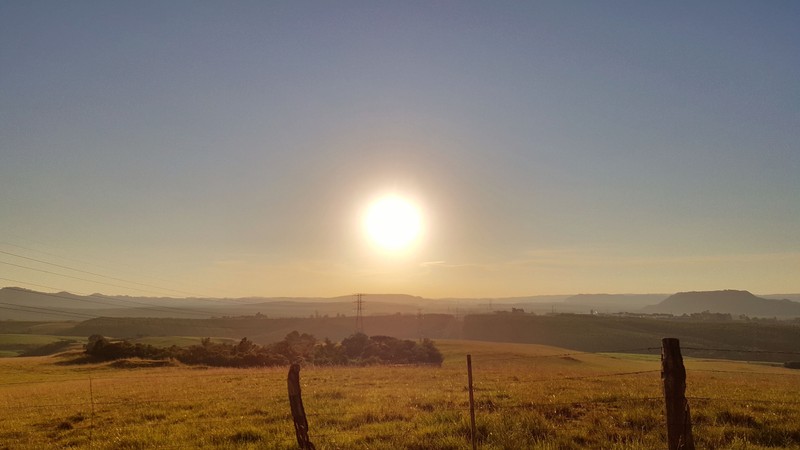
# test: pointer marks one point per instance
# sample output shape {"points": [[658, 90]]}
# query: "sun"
{"points": [[393, 223]]}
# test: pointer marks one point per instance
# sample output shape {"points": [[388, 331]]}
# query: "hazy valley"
{"points": [[25, 304]]}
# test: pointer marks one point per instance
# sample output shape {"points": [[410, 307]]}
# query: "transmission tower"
{"points": [[359, 313], [419, 324]]}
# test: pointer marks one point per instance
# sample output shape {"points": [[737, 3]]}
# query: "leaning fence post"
{"points": [[298, 412], [471, 402], [673, 374]]}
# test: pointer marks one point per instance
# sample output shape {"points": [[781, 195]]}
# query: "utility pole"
{"points": [[359, 313]]}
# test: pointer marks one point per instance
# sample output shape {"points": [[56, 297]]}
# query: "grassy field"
{"points": [[528, 397], [180, 341], [16, 344]]}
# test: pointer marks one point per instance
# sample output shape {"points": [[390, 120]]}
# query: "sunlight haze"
{"points": [[235, 148], [393, 223]]}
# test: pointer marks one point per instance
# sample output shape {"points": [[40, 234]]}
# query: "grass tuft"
{"points": [[241, 437]]}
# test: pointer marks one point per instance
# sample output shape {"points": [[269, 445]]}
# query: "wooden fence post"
{"points": [[471, 402], [298, 412], [91, 418], [673, 374]]}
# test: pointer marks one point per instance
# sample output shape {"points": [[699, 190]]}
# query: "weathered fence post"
{"points": [[91, 418], [298, 412], [471, 403], [673, 374]]}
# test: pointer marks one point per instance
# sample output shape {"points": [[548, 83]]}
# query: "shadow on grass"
{"points": [[76, 358]]}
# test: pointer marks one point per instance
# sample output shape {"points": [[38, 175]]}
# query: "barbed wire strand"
{"points": [[730, 350]]}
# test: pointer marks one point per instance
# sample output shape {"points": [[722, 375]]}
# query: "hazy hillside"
{"points": [[25, 297], [792, 297], [610, 333], [264, 330], [509, 300], [616, 302], [736, 339], [25, 304], [574, 331], [729, 301]]}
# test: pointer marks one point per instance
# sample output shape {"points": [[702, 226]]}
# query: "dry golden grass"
{"points": [[528, 396]]}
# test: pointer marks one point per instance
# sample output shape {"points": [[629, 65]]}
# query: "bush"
{"points": [[356, 349]]}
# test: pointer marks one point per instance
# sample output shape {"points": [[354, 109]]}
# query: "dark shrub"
{"points": [[356, 349]]}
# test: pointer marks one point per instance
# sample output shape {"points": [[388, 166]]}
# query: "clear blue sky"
{"points": [[553, 147]]}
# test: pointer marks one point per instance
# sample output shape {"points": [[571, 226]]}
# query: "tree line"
{"points": [[357, 349]]}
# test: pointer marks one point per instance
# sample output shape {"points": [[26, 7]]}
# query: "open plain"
{"points": [[527, 397]]}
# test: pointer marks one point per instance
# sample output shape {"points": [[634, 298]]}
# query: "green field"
{"points": [[29, 339], [765, 340], [527, 396], [17, 344]]}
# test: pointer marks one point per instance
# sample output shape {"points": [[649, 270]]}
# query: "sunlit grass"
{"points": [[528, 397]]}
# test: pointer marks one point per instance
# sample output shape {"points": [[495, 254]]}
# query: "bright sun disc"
{"points": [[393, 223]]}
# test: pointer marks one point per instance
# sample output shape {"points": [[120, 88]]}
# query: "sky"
{"points": [[232, 148]]}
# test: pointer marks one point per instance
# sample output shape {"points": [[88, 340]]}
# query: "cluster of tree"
{"points": [[358, 349], [709, 316]]}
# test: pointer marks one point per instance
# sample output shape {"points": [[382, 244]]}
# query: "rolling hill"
{"points": [[728, 301], [24, 304]]}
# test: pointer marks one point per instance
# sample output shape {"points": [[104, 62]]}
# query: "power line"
{"points": [[90, 273], [562, 355], [744, 372], [37, 285], [730, 350], [73, 277], [78, 299], [588, 377], [80, 261], [197, 298], [86, 300], [142, 305], [359, 313], [51, 311], [215, 372]]}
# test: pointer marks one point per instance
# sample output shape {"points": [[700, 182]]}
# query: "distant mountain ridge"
{"points": [[25, 304], [792, 297], [728, 301]]}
